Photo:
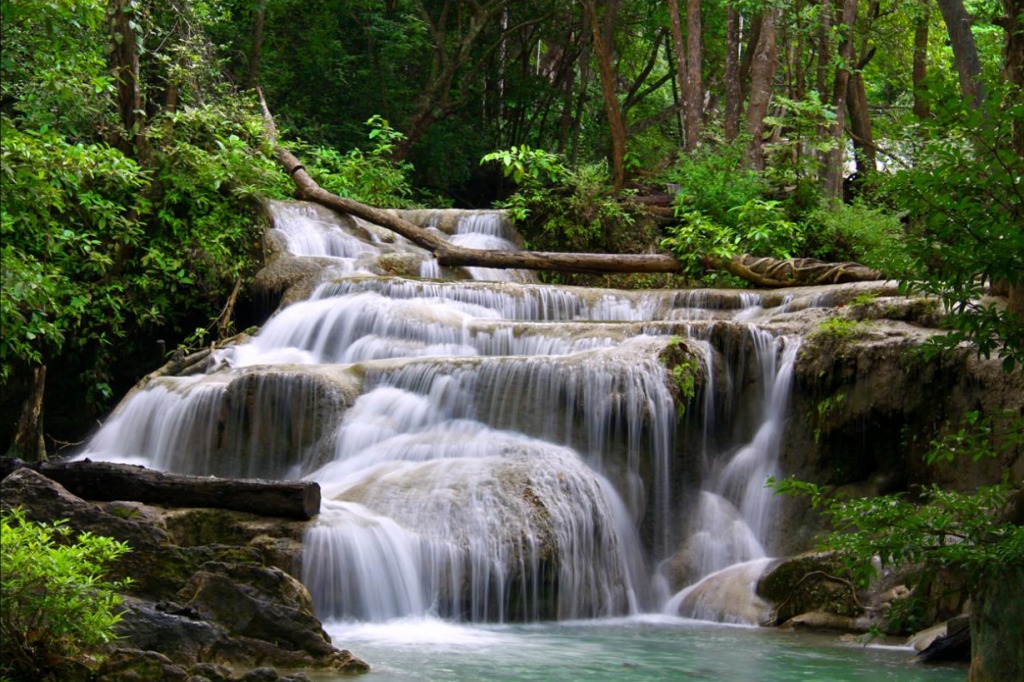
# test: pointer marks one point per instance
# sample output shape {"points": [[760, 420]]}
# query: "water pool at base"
{"points": [[633, 649]]}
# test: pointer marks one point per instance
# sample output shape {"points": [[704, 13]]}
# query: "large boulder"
{"points": [[207, 605]]}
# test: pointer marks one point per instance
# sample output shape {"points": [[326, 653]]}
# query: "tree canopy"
{"points": [[133, 155]]}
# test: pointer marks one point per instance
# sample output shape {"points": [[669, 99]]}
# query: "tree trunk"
{"points": [[860, 126], [124, 62], [762, 76], [1013, 62], [1013, 70], [257, 43], [694, 94], [103, 481], [747, 57], [824, 49], [436, 100], [603, 47], [997, 639], [920, 71], [28, 443], [680, 55], [965, 52], [733, 87], [835, 156]]}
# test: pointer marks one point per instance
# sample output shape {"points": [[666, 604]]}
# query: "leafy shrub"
{"points": [[65, 225], [97, 249], [371, 177], [758, 227], [965, 206], [855, 232], [713, 181], [523, 163], [968, 532], [57, 609]]}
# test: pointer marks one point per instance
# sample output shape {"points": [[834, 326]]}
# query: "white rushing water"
{"points": [[489, 451]]}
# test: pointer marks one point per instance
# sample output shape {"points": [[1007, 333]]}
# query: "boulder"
{"points": [[192, 608], [808, 583]]}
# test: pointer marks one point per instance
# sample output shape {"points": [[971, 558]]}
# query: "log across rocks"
{"points": [[104, 481], [764, 272]]}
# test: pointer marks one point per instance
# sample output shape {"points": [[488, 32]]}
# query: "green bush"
{"points": [[714, 181], [758, 227], [854, 232], [372, 176], [57, 609]]}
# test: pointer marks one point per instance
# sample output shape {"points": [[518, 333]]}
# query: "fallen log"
{"points": [[774, 273], [104, 481], [765, 272]]}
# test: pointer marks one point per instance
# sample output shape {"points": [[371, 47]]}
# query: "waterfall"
{"points": [[488, 448]]}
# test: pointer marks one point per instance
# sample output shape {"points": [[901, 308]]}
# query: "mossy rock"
{"points": [[808, 583]]}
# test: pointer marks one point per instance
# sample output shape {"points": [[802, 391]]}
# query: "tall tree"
{"points": [[694, 94], [965, 51], [124, 62], [920, 68], [834, 157], [602, 29], [452, 50], [733, 87], [764, 63], [680, 54]]}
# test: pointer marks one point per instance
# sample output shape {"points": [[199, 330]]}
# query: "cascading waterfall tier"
{"points": [[487, 450]]}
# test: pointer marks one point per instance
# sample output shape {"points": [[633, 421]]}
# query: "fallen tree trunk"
{"points": [[104, 481], [765, 272], [773, 273]]}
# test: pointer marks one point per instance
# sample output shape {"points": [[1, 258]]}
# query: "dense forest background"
{"points": [[134, 153]]}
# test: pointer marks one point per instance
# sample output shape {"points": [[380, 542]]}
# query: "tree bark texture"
{"points": [[733, 87], [920, 70], [694, 93], [834, 159], [28, 443], [603, 47], [762, 74], [965, 52], [124, 62], [257, 43], [679, 51], [104, 481], [860, 125]]}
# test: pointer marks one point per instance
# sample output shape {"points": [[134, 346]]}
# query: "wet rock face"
{"points": [[194, 608], [809, 583]]}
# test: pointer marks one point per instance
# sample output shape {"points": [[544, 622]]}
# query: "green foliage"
{"points": [[965, 205], [713, 181], [940, 529], [524, 164], [557, 208], [943, 528], [855, 232], [979, 436], [684, 370], [53, 72], [96, 248], [66, 225], [57, 608], [823, 410], [758, 227], [793, 161], [371, 176]]}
